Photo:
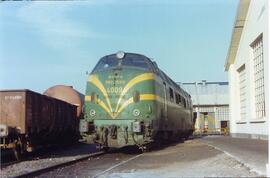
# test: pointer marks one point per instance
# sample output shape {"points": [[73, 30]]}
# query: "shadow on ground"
{"points": [[80, 149]]}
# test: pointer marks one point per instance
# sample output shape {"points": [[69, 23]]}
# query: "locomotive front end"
{"points": [[120, 101]]}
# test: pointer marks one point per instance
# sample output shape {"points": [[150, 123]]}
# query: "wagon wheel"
{"points": [[186, 136], [98, 147], [106, 149], [18, 149]]}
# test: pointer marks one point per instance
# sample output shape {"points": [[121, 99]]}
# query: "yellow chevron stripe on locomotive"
{"points": [[94, 79]]}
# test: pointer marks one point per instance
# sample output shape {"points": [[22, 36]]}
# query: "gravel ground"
{"points": [[53, 157]]}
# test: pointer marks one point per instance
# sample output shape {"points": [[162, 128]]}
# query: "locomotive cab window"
{"points": [[129, 60], [135, 61], [105, 63]]}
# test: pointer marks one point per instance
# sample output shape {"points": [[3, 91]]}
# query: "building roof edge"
{"points": [[239, 23]]}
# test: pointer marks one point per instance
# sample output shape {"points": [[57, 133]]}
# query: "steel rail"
{"points": [[50, 168], [4, 165]]}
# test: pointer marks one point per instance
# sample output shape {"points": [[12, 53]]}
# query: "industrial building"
{"points": [[210, 105], [247, 67]]}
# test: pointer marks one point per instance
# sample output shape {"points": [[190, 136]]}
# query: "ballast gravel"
{"points": [[51, 158]]}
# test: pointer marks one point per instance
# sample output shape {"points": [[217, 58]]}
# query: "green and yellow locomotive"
{"points": [[130, 101]]}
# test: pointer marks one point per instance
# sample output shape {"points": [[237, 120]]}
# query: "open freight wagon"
{"points": [[29, 120]]}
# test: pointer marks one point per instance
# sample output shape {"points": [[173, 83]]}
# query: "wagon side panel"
{"points": [[12, 110]]}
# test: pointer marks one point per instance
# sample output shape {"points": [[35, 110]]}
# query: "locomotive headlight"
{"points": [[92, 112], [136, 112], [120, 55]]}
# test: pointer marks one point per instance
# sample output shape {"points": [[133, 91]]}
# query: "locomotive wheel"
{"points": [[144, 148], [158, 144], [99, 147]]}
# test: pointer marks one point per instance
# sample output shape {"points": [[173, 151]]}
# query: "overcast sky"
{"points": [[48, 43]]}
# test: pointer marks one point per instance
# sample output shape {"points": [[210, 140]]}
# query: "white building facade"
{"points": [[247, 67]]}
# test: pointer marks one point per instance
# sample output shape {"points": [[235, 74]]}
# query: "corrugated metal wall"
{"points": [[207, 93], [210, 102]]}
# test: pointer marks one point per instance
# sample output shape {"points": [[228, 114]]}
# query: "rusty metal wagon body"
{"points": [[29, 120]]}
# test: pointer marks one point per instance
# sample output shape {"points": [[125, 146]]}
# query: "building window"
{"points": [[222, 113], [242, 91], [258, 68]]}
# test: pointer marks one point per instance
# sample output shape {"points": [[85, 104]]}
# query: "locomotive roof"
{"points": [[124, 59], [151, 66], [135, 54], [171, 82]]}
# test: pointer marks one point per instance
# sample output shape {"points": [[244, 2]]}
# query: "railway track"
{"points": [[7, 156], [100, 163], [3, 165], [8, 160], [96, 167], [105, 161], [59, 165], [48, 158], [11, 168]]}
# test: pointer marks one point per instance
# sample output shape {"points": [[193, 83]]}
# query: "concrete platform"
{"points": [[193, 158], [250, 152]]}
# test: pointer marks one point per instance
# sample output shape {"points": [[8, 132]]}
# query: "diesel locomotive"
{"points": [[130, 101]]}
